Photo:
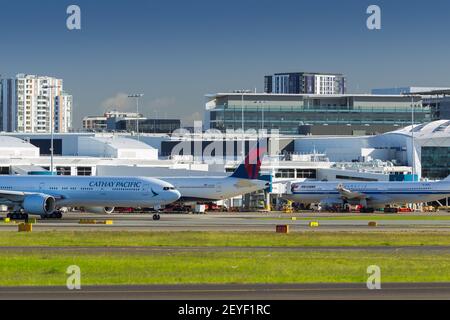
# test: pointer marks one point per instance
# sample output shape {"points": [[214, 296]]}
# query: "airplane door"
{"points": [[41, 186], [102, 192]]}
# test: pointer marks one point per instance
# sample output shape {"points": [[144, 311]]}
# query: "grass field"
{"points": [[389, 217], [189, 239], [221, 267], [235, 266]]}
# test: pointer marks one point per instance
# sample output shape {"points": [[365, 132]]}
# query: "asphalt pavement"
{"points": [[229, 222], [237, 292]]}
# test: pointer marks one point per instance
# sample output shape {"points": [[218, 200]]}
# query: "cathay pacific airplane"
{"points": [[245, 179], [371, 195], [42, 195]]}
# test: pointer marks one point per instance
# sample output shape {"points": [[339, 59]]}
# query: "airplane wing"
{"points": [[244, 183], [13, 196], [18, 196], [351, 195]]}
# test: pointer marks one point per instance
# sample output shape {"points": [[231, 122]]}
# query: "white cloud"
{"points": [[160, 107], [189, 119], [119, 102]]}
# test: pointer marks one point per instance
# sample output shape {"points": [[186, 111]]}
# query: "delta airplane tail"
{"points": [[252, 163]]}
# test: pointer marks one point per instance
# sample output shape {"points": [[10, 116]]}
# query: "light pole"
{"points": [[412, 140], [261, 103], [51, 125], [242, 123], [413, 159], [242, 92], [137, 96]]}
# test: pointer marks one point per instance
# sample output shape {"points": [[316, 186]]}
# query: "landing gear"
{"points": [[54, 215], [367, 210], [156, 216], [17, 216]]}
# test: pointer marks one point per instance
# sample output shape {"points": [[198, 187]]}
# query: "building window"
{"points": [[285, 173], [4, 170], [307, 173], [84, 171], [63, 171], [341, 177], [435, 162]]}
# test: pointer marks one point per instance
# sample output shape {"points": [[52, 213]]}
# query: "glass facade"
{"points": [[435, 162], [150, 125], [296, 173], [288, 118], [84, 171]]}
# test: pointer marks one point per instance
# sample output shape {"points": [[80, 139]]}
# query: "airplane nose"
{"points": [[174, 195]]}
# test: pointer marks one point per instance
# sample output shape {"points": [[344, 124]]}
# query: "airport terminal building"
{"points": [[431, 145], [383, 157], [339, 114]]}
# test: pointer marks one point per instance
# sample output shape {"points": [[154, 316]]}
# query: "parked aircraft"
{"points": [[42, 195], [245, 179], [371, 195]]}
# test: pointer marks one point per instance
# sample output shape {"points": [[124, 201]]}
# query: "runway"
{"points": [[229, 222], [389, 291]]}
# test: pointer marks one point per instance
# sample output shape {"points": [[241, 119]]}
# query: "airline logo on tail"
{"points": [[252, 164]]}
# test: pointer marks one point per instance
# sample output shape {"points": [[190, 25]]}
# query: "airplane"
{"points": [[245, 179], [42, 195], [370, 195]]}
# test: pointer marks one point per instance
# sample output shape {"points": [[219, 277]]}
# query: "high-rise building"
{"points": [[305, 83], [7, 105], [29, 101], [63, 113]]}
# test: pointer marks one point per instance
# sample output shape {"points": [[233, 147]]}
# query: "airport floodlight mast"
{"points": [[242, 92], [412, 140], [413, 159], [261, 104], [137, 96], [51, 105]]}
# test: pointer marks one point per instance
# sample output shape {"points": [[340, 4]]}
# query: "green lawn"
{"points": [[307, 238], [400, 217], [221, 267], [236, 266]]}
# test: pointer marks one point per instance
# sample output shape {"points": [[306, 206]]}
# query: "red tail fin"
{"points": [[252, 163]]}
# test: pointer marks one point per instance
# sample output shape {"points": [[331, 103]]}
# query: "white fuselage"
{"points": [[214, 188], [377, 193], [94, 191]]}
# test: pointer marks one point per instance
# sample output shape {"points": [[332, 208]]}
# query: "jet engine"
{"points": [[39, 204], [100, 210]]}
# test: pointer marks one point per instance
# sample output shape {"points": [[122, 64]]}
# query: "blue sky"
{"points": [[177, 51]]}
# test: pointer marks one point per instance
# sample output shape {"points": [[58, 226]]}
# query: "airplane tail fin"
{"points": [[252, 163], [447, 179]]}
